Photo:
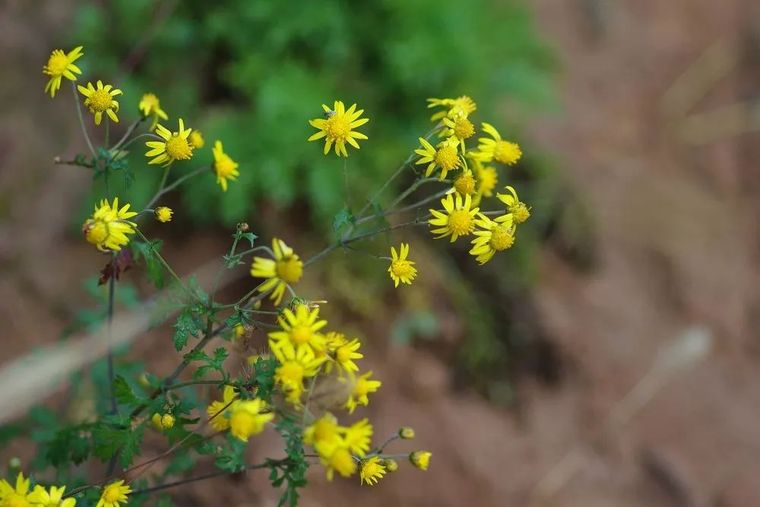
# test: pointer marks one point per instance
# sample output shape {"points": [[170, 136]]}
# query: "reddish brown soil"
{"points": [[673, 198]]}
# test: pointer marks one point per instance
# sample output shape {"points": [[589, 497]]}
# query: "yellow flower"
{"points": [[299, 329], [109, 226], [496, 148], [458, 127], [61, 65], [336, 458], [150, 106], [218, 410], [362, 386], [114, 495], [41, 497], [295, 365], [464, 184], [324, 430], [445, 156], [452, 108], [164, 214], [358, 437], [519, 211], [420, 459], [101, 100], [345, 354], [458, 220], [487, 179], [284, 269], [338, 127], [196, 139], [224, 167], [18, 496], [493, 236], [248, 418], [401, 269], [174, 146], [372, 470]]}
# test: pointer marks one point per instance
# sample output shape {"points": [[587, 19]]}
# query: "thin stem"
{"points": [[109, 359], [407, 208], [165, 264], [175, 184], [145, 134], [414, 186], [81, 119], [127, 133], [108, 131]]}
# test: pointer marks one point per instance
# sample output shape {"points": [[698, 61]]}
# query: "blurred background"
{"points": [[610, 358]]}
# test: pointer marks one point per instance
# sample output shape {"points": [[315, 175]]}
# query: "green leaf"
{"points": [[188, 324], [148, 251], [124, 393], [343, 219]]}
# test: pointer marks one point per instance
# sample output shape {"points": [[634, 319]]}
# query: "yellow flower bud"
{"points": [[167, 421], [420, 459], [390, 464], [406, 432], [143, 379], [156, 420], [164, 214]]}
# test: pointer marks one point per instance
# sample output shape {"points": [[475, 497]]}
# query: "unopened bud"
{"points": [[420, 459], [390, 464], [406, 432]]}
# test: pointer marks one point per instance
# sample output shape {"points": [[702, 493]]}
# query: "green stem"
{"points": [[81, 119], [127, 134]]}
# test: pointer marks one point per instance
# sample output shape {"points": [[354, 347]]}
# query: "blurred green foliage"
{"points": [[252, 73]]}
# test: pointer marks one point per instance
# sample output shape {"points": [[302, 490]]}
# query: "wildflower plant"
{"points": [[301, 356]]}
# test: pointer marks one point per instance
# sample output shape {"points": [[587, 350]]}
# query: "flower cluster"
{"points": [[22, 494]]}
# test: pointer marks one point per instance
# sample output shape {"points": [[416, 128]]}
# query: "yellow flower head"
{"points": [[42, 497], [299, 329], [464, 184], [458, 219], [18, 496], [248, 418], [164, 214], [219, 409], [162, 422], [338, 127], [401, 270], [60, 65], [361, 387], [336, 458], [100, 99], [295, 365], [452, 108], [492, 236], [358, 437], [372, 470], [284, 269], [114, 495], [150, 106], [196, 139], [459, 127], [497, 148], [109, 226], [487, 179], [445, 156], [345, 354], [224, 167], [519, 210], [324, 430], [173, 146], [420, 459]]}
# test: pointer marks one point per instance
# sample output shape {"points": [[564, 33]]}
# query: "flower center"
{"points": [[463, 128], [300, 334], [17, 501], [100, 100], [401, 268], [111, 494], [291, 372], [289, 269], [520, 212], [95, 231], [224, 166], [460, 222], [506, 152], [178, 148], [447, 157], [465, 184], [337, 126], [501, 238], [343, 354], [57, 63]]}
